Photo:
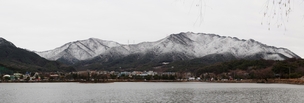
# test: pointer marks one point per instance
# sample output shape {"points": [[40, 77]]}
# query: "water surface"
{"points": [[140, 92]]}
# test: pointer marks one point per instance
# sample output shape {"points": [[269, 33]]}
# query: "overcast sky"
{"points": [[40, 25]]}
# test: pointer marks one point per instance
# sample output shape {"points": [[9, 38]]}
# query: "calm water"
{"points": [[141, 92]]}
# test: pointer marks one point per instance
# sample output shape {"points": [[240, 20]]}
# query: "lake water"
{"points": [[142, 92]]}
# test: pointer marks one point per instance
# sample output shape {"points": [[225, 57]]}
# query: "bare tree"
{"points": [[277, 13]]}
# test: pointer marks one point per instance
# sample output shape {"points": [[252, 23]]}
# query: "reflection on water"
{"points": [[150, 92]]}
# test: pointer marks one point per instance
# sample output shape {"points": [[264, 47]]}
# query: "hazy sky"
{"points": [[40, 25]]}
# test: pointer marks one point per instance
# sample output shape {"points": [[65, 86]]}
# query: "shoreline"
{"points": [[269, 81]]}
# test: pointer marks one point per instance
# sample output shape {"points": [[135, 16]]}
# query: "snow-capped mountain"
{"points": [[182, 46], [79, 50]]}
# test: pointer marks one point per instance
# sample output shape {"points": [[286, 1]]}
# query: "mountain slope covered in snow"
{"points": [[73, 52], [196, 45], [181, 46]]}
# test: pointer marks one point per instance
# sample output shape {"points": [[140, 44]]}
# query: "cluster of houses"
{"points": [[85, 75], [22, 77], [115, 75]]}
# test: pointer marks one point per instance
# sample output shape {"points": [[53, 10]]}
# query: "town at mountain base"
{"points": [[236, 71]]}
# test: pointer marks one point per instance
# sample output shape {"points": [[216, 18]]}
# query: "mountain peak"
{"points": [[4, 42], [79, 50], [201, 44], [94, 39]]}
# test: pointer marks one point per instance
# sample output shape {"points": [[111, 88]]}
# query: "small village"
{"points": [[94, 76], [99, 76]]}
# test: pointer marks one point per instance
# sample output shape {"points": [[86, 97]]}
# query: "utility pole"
{"points": [[233, 74], [288, 72]]}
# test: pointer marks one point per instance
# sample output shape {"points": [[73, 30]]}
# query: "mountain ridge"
{"points": [[88, 49], [4, 42], [187, 45]]}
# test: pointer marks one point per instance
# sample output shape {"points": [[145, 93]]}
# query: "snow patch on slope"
{"points": [[80, 50]]}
